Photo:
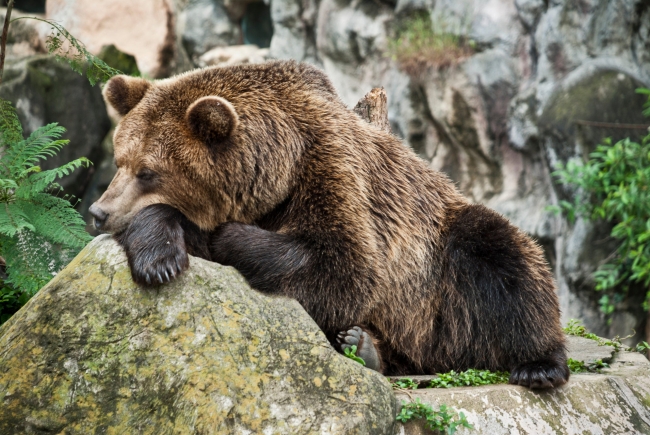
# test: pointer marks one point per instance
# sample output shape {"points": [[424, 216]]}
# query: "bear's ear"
{"points": [[212, 119], [123, 93]]}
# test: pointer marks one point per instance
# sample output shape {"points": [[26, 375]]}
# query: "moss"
{"points": [[419, 44]]}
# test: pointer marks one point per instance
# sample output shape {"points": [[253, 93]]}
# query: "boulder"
{"points": [[612, 402], [94, 353], [25, 37], [143, 28], [234, 54], [206, 24], [44, 90]]}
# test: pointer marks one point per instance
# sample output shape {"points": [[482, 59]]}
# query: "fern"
{"points": [[69, 49], [39, 231]]}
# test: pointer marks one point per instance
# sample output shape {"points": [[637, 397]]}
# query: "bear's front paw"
{"points": [[158, 264], [154, 243], [542, 374], [366, 350]]}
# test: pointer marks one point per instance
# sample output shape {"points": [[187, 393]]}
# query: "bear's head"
{"points": [[218, 144]]}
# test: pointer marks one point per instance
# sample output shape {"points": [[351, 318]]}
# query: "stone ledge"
{"points": [[616, 401]]}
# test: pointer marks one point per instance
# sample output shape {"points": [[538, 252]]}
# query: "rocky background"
{"points": [[538, 82]]}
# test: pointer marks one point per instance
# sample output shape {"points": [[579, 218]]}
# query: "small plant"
{"points": [[404, 384], [446, 419], [642, 347], [351, 352], [67, 48], [575, 328], [469, 377], [580, 367], [420, 44], [614, 185]]}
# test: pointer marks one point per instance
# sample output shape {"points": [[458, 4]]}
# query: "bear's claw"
{"points": [[355, 336], [542, 374], [154, 243], [159, 265]]}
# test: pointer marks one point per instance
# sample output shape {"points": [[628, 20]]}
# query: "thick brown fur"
{"points": [[307, 200]]}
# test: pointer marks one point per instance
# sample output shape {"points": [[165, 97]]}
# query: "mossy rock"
{"points": [[94, 353], [581, 110]]}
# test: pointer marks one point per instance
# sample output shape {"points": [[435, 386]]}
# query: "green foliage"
{"points": [[119, 60], [405, 384], [39, 231], [446, 419], [420, 43], [642, 347], [69, 49], [10, 301], [469, 377], [646, 106], [614, 185], [580, 367], [351, 352], [575, 328]]}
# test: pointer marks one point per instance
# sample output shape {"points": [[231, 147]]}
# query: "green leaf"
{"points": [[351, 352], [22, 156], [56, 221], [13, 219], [28, 262], [38, 182], [10, 129]]}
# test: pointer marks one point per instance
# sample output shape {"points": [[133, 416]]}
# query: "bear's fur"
{"points": [[262, 167]]}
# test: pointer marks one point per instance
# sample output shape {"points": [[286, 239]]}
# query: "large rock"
{"points": [[613, 402], [94, 353], [44, 90], [143, 28], [25, 37], [204, 25]]}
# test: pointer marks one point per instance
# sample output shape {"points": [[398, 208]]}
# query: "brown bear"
{"points": [[263, 168]]}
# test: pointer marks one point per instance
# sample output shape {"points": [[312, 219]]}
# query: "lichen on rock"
{"points": [[94, 353]]}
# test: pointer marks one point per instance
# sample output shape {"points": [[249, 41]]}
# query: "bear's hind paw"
{"points": [[366, 350], [541, 374]]}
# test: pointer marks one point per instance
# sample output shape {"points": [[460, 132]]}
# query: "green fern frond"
{"points": [[43, 180], [75, 53], [13, 219], [56, 221], [10, 129], [7, 183], [23, 155], [29, 261]]}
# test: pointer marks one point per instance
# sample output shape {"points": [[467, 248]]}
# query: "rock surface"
{"points": [[617, 401], [143, 28], [94, 353], [235, 54]]}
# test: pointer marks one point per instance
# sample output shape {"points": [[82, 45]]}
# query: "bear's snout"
{"points": [[99, 215]]}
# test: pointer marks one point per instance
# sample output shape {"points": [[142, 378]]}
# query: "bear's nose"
{"points": [[98, 214]]}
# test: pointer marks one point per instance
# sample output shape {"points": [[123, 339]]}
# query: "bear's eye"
{"points": [[146, 175]]}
